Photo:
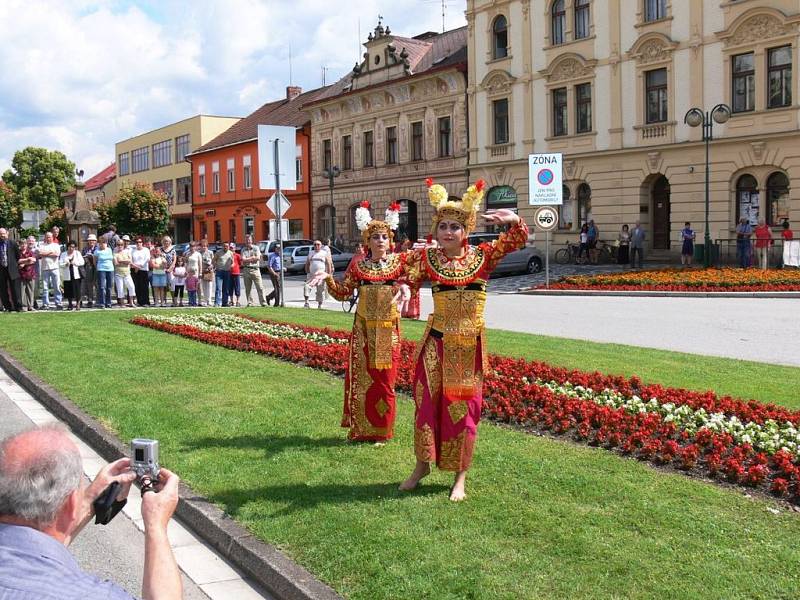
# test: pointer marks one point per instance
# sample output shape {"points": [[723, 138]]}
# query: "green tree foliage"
{"points": [[106, 214], [140, 211], [39, 177], [10, 209], [57, 217]]}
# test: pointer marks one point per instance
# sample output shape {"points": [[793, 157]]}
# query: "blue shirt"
{"points": [[35, 566], [275, 262], [105, 259]]}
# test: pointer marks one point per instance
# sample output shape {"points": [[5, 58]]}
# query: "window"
{"points": [[217, 231], [295, 229], [743, 91], [165, 188], [140, 159], [184, 185], [565, 210], [416, 141], [247, 173], [747, 199], [559, 23], [203, 230], [162, 154], [583, 102], [656, 96], [201, 177], [369, 152], [215, 177], [232, 230], [249, 226], [581, 19], [231, 175], [655, 10], [347, 152], [779, 77], [123, 164], [181, 147], [391, 145], [444, 137], [500, 112], [326, 218], [560, 111], [298, 163], [327, 161], [777, 199], [584, 203], [500, 37]]}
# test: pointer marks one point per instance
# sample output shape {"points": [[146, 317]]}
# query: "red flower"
{"points": [[365, 204], [480, 184], [429, 181], [394, 206]]}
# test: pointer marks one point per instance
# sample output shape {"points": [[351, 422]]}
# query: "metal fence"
{"points": [[725, 252]]}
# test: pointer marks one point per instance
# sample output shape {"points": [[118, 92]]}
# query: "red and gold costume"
{"points": [[369, 397], [451, 357]]}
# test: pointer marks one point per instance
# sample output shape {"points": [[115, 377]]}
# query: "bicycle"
{"points": [[570, 254], [349, 303], [606, 253]]}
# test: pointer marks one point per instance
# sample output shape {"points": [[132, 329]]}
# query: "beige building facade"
{"points": [[398, 118], [608, 82], [157, 158]]}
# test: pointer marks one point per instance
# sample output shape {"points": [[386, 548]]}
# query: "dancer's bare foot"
{"points": [[421, 471], [457, 492]]}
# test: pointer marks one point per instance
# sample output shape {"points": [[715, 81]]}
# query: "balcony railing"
{"points": [[499, 150], [656, 130]]}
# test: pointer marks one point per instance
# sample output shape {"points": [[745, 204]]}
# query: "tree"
{"points": [[141, 211], [39, 177], [10, 209], [106, 214], [57, 217]]}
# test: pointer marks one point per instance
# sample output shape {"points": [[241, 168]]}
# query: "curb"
{"points": [[263, 563], [656, 293]]}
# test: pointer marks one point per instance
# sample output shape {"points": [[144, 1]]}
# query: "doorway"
{"points": [[661, 214]]}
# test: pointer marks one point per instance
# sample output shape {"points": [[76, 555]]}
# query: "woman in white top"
{"points": [[70, 263], [318, 260], [122, 274], [140, 265]]}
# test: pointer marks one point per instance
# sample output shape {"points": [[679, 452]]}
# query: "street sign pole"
{"points": [[279, 214], [546, 219], [547, 260]]}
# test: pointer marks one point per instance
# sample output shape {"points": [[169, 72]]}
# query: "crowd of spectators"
{"points": [[134, 272]]}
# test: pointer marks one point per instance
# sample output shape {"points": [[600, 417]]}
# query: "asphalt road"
{"points": [[114, 551], [757, 329]]}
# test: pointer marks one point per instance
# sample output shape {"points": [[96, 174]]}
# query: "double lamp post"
{"points": [[694, 118]]}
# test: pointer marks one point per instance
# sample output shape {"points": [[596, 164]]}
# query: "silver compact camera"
{"points": [[144, 460]]}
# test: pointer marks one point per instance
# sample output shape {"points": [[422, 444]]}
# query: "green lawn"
{"points": [[544, 519]]}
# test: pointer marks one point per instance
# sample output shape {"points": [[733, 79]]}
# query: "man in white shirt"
{"points": [[49, 253]]}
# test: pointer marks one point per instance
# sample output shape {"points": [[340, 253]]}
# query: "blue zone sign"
{"points": [[544, 180]]}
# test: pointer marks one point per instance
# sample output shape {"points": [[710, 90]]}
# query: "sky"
{"points": [[81, 75]]}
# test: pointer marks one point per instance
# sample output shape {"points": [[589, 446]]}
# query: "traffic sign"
{"points": [[544, 179], [286, 147], [273, 202], [546, 218]]}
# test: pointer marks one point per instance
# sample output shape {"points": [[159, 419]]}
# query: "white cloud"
{"points": [[80, 75]]}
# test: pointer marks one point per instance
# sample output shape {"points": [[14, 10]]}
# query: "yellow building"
{"points": [[608, 83], [157, 158]]}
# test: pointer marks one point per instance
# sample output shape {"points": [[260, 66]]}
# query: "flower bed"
{"points": [[683, 280], [744, 442]]}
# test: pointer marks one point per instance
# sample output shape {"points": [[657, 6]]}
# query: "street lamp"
{"points": [[331, 174], [696, 117]]}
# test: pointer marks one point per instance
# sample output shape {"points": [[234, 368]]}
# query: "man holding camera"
{"points": [[45, 502]]}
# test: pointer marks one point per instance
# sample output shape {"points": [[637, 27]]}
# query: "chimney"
{"points": [[292, 92]]}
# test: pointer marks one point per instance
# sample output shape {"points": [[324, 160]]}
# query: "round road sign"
{"points": [[546, 218]]}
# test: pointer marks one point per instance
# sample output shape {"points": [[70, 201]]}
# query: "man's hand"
{"points": [[159, 505], [119, 470]]}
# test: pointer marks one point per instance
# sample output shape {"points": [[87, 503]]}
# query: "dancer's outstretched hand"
{"points": [[402, 297], [318, 279], [501, 216]]}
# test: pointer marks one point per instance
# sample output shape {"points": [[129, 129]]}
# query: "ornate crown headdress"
{"points": [[464, 211], [367, 225]]}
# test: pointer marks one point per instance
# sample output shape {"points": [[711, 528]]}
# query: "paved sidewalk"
{"points": [[116, 551]]}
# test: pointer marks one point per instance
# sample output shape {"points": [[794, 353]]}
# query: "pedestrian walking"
{"points": [[743, 233], [318, 260], [687, 247], [274, 266], [764, 242], [638, 237], [251, 271]]}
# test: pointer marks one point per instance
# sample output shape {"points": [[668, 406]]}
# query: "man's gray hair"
{"points": [[35, 489]]}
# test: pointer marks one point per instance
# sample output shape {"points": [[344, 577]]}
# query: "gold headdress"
{"points": [[464, 211], [367, 225]]}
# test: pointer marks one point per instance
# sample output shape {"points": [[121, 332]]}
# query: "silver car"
{"points": [[294, 258], [526, 260]]}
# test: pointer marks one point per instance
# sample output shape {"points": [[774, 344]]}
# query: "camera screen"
{"points": [[138, 455]]}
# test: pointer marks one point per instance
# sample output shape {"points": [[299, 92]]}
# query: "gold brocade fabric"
{"points": [[424, 445], [379, 314]]}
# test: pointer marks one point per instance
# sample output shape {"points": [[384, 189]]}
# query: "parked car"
{"points": [[181, 249], [294, 258], [526, 260], [266, 247]]}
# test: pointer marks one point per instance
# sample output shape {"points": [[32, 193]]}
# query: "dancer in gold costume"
{"points": [[451, 357]]}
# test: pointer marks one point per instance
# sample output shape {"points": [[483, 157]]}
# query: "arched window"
{"points": [[326, 219], [747, 200], [584, 203], [565, 211], [558, 33], [408, 220], [581, 19], [777, 199], [353, 232], [500, 37]]}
